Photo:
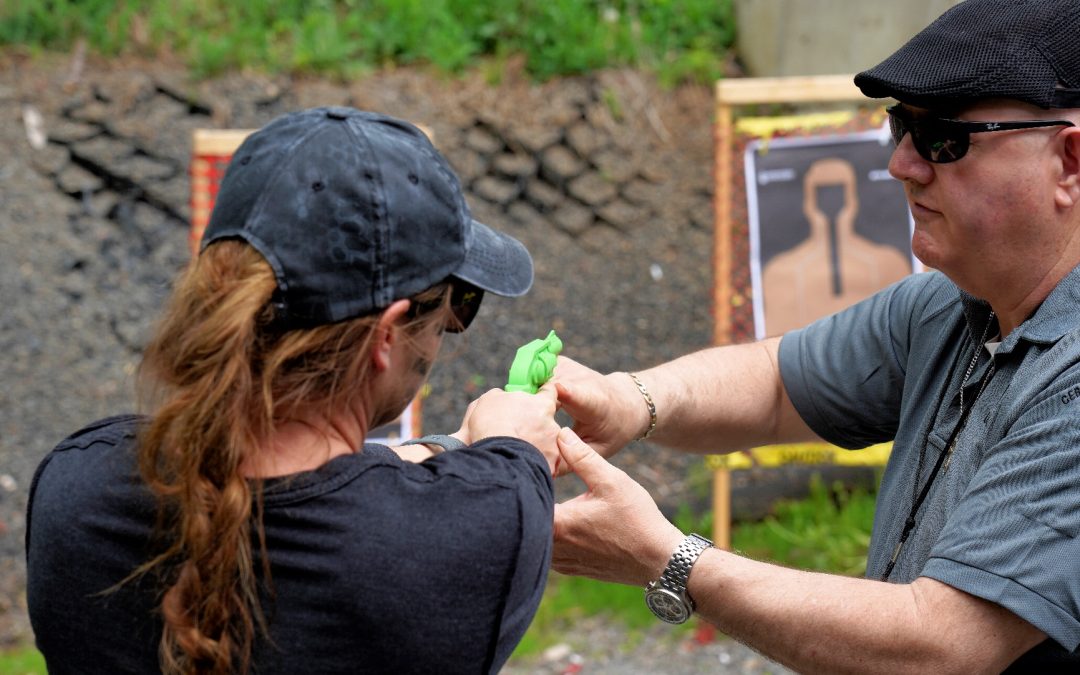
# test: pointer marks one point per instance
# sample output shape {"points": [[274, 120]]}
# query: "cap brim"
{"points": [[496, 262]]}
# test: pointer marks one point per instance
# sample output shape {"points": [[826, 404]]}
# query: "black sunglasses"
{"points": [[464, 305], [941, 140]]}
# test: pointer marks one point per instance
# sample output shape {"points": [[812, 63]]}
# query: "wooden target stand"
{"points": [[731, 94], [212, 149]]}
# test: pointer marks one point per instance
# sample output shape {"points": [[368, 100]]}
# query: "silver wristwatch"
{"points": [[667, 596]]}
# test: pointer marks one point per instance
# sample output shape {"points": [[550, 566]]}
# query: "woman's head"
{"points": [[220, 336]]}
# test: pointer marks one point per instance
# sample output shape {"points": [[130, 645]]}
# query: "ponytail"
{"points": [[219, 376]]}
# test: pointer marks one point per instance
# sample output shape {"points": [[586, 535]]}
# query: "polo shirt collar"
{"points": [[1057, 315]]}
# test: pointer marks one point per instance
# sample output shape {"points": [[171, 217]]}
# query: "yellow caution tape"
{"points": [[767, 127], [800, 453]]}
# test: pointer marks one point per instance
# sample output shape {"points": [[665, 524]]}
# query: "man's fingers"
{"points": [[582, 459]]}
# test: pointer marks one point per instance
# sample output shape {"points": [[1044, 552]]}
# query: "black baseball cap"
{"points": [[1028, 50], [354, 210]]}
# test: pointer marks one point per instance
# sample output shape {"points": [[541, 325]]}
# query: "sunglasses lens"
{"points": [[935, 140], [942, 145], [896, 127], [465, 304]]}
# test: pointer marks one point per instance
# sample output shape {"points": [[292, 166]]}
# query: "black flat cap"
{"points": [[1028, 50]]}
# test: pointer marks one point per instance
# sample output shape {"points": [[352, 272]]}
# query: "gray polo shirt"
{"points": [[1002, 520]]}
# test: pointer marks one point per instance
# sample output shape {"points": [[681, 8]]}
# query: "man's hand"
{"points": [[608, 410], [613, 532]]}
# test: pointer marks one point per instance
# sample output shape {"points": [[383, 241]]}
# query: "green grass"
{"points": [[829, 531], [22, 661], [677, 39]]}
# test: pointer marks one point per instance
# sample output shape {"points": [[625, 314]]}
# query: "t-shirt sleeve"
{"points": [[1014, 538], [524, 521], [537, 504], [845, 373]]}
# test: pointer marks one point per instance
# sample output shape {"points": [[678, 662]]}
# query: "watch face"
{"points": [[667, 606]]}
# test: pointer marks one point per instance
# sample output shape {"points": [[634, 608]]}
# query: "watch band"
{"points": [[667, 597], [677, 572], [446, 442]]}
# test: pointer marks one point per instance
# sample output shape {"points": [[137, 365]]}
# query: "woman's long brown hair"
{"points": [[219, 377]]}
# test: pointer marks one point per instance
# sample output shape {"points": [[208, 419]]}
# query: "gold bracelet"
{"points": [[649, 403]]}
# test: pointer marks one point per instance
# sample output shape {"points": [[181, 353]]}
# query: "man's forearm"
{"points": [[723, 399], [815, 622]]}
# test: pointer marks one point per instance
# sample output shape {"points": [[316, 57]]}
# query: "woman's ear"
{"points": [[388, 332]]}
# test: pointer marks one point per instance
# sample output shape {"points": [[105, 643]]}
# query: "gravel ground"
{"points": [[87, 251]]}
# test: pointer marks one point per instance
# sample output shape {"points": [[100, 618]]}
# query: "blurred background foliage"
{"points": [[678, 40]]}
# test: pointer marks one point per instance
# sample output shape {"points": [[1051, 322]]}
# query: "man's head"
{"points": [[1027, 50], [986, 143], [354, 210]]}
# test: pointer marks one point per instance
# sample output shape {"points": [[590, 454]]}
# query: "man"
{"points": [[971, 370]]}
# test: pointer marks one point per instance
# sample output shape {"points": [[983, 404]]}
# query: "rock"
{"points": [[559, 164], [536, 139], [542, 195], [103, 151], [515, 165], [616, 166], [592, 189], [51, 159], [573, 218], [586, 139], [483, 141], [75, 180], [468, 165], [496, 190], [621, 215], [64, 130]]}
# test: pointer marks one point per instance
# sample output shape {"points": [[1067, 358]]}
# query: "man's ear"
{"points": [[1068, 190], [387, 333]]}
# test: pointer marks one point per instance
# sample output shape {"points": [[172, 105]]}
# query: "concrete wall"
{"points": [[821, 37]]}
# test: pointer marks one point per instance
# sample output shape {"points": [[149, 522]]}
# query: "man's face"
{"points": [[987, 218]]}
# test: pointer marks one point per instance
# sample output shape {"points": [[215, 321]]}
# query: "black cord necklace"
{"points": [[942, 463]]}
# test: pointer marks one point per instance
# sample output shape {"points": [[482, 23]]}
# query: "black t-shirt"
{"points": [[378, 565]]}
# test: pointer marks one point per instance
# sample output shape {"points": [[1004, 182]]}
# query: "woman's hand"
{"points": [[530, 417]]}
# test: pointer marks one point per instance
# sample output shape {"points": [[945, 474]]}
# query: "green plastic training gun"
{"points": [[533, 364]]}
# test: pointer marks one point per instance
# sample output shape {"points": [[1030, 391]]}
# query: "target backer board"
{"points": [[807, 220]]}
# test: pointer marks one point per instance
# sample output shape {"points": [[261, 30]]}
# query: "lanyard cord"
{"points": [[909, 524]]}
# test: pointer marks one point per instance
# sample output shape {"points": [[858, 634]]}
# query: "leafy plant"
{"points": [[829, 531], [677, 39]]}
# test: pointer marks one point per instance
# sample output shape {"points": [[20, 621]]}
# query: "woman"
{"points": [[244, 525]]}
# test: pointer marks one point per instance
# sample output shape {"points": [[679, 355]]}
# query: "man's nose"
{"points": [[907, 165]]}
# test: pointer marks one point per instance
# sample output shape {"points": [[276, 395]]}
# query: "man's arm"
{"points": [[715, 400], [815, 622], [808, 621]]}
